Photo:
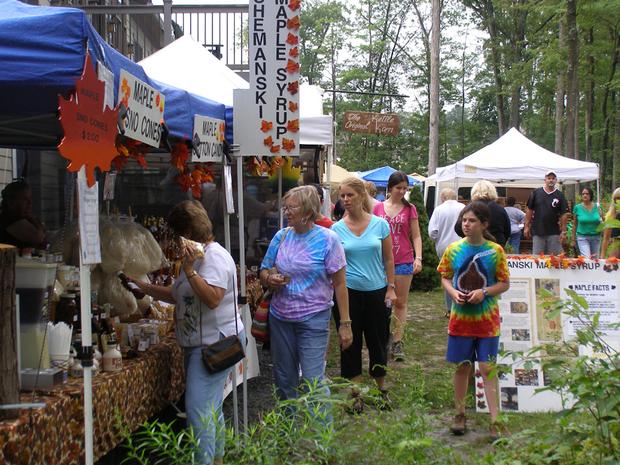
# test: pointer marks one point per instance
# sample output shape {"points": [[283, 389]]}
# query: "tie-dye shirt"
{"points": [[471, 267], [309, 260]]}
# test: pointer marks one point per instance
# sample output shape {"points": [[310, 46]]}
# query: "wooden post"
{"points": [[9, 381]]}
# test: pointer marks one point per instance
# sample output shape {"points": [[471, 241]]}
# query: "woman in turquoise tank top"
{"points": [[587, 218]]}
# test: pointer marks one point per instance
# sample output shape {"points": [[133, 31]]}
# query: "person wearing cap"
{"points": [[546, 217]]}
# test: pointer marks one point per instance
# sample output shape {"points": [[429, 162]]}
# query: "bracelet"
{"points": [[345, 322], [191, 275], [419, 258]]}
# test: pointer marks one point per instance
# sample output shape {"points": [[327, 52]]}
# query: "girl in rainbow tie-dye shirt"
{"points": [[474, 272]]}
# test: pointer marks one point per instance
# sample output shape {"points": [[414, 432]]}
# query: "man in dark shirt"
{"points": [[546, 217]]}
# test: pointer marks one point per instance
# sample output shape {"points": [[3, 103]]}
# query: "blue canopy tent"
{"points": [[37, 67], [380, 176]]}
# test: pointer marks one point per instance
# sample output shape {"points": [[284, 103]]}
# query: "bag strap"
{"points": [[286, 230]]}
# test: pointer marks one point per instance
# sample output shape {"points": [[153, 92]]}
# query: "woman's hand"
{"points": [[459, 297], [144, 287], [390, 295], [417, 266], [276, 280], [345, 335], [190, 256], [475, 297]]}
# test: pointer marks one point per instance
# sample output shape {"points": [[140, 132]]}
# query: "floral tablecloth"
{"points": [[55, 434]]}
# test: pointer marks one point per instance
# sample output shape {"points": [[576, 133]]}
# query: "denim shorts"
{"points": [[469, 349], [403, 269]]}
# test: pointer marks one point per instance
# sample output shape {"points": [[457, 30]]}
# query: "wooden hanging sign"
{"points": [[385, 124]]}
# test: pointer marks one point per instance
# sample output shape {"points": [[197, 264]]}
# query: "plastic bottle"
{"points": [[112, 358]]}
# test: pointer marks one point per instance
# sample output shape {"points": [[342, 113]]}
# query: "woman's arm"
{"points": [[416, 240], [339, 282], [457, 296], [388, 264], [163, 293]]}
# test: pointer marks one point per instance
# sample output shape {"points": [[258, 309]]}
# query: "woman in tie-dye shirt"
{"points": [[305, 266], [474, 272]]}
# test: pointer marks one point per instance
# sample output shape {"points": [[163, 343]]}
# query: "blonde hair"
{"points": [[447, 194], [483, 190], [308, 199], [370, 188], [358, 186], [190, 219], [611, 213]]}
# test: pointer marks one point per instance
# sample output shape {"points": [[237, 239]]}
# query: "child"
{"points": [[474, 272]]}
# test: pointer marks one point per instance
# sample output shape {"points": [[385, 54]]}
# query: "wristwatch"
{"points": [[392, 285], [485, 291]]}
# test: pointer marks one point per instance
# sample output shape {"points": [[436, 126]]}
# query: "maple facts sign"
{"points": [[385, 124], [270, 119], [90, 128], [208, 139], [145, 109]]}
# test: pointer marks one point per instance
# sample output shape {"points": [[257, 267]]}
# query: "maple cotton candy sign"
{"points": [[208, 140], [145, 109], [267, 117]]}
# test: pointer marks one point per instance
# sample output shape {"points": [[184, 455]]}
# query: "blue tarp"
{"points": [[42, 52], [380, 176]]}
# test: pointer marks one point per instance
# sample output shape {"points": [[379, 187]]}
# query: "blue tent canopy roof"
{"points": [[380, 176], [36, 68]]}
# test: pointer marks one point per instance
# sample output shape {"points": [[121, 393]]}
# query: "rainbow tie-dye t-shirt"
{"points": [[471, 267]]}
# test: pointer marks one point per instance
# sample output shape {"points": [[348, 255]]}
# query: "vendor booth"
{"points": [[380, 176]]}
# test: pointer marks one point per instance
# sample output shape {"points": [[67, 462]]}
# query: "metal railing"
{"points": [[138, 30]]}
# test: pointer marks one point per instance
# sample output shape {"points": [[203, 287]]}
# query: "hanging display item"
{"points": [[90, 128]]}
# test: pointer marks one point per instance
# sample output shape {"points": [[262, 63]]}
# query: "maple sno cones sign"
{"points": [[145, 109], [267, 116], [90, 128]]}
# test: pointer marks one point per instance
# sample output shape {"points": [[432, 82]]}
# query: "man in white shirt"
{"points": [[441, 225]]}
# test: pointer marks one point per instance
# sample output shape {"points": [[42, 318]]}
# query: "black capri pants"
{"points": [[370, 318]]}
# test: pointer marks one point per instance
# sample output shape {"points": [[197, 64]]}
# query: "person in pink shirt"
{"points": [[406, 239]]}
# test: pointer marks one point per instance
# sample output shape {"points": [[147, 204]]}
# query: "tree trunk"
{"points": [[433, 139], [572, 85], [616, 160], [497, 75], [559, 97], [589, 97], [517, 45], [9, 380]]}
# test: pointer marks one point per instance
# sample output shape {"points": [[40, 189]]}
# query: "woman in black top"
{"points": [[17, 225], [499, 224]]}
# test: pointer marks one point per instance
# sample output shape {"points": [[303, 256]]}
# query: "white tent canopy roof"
{"points": [[513, 159], [188, 65]]}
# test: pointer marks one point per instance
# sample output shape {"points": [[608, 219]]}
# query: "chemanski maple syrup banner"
{"points": [[526, 322], [145, 109], [267, 117]]}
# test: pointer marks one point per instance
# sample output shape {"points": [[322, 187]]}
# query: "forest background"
{"points": [[546, 67]]}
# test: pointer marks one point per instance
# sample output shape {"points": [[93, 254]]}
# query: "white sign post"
{"points": [[208, 139], [267, 116], [145, 109]]}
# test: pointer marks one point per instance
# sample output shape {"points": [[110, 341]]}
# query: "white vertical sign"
{"points": [[269, 122], [88, 198]]}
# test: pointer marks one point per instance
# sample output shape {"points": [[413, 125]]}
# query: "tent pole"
{"points": [[88, 373], [242, 293]]}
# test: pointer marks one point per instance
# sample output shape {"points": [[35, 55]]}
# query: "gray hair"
{"points": [[483, 190], [447, 194], [308, 200]]}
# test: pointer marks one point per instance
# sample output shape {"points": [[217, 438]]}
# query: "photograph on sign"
{"points": [[208, 139], [385, 124], [145, 109], [271, 125]]}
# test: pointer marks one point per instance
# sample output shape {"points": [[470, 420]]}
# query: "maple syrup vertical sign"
{"points": [[268, 123]]}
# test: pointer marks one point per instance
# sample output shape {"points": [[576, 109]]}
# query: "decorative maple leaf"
{"points": [[179, 156], [294, 4], [292, 39], [293, 125], [293, 87], [222, 132], [266, 126], [275, 149], [89, 129], [293, 106], [288, 144], [268, 141], [292, 66], [126, 90], [293, 23], [119, 162], [294, 52]]}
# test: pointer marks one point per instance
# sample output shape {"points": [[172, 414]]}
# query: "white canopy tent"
{"points": [[512, 160]]}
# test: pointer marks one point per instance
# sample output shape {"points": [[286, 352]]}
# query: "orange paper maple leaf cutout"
{"points": [[294, 4], [275, 149], [288, 144], [292, 39], [293, 23], [292, 106], [294, 52], [179, 156], [293, 87], [126, 90], [266, 126], [89, 130], [292, 66], [268, 141], [278, 162], [293, 125]]}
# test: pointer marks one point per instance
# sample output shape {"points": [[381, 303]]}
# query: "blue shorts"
{"points": [[470, 349], [403, 269]]}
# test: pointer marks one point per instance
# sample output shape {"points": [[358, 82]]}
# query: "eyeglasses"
{"points": [[287, 208]]}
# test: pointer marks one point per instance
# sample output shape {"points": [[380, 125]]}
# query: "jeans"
{"points": [[515, 242], [204, 394], [547, 245], [589, 245], [295, 344]]}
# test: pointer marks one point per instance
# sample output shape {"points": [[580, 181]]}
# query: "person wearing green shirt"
{"points": [[587, 217]]}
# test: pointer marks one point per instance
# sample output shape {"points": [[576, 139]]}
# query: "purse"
{"points": [[226, 352], [260, 320]]}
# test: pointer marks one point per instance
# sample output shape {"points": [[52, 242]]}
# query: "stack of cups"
{"points": [[59, 344]]}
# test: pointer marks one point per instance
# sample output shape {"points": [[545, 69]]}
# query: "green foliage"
{"points": [[428, 279]]}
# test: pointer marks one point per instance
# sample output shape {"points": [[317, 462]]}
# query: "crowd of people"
{"points": [[357, 268]]}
